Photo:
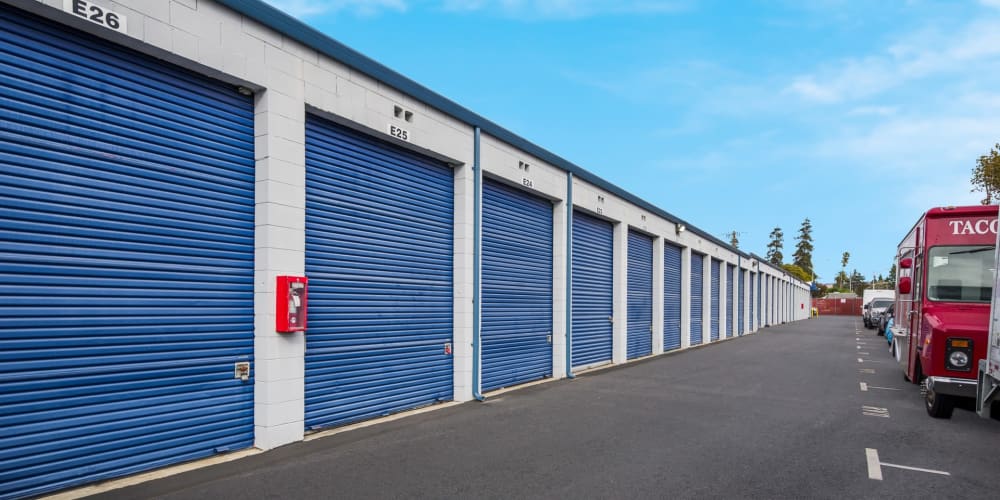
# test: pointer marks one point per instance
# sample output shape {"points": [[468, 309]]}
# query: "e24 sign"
{"points": [[95, 14]]}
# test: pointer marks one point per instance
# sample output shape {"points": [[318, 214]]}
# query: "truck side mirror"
{"points": [[905, 284], [905, 263]]}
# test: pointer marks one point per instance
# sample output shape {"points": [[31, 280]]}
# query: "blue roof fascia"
{"points": [[301, 32]]}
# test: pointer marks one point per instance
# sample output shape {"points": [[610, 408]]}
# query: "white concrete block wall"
{"points": [[706, 304], [685, 297], [657, 295], [560, 220], [724, 306], [463, 292], [619, 345]]}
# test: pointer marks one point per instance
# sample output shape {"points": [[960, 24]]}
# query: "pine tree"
{"points": [[804, 248], [734, 239], [774, 255]]}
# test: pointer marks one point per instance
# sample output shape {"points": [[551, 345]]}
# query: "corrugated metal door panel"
{"points": [[730, 298], [741, 302], [640, 295], [697, 296], [593, 292], [671, 297], [126, 260], [517, 286], [379, 261], [716, 305]]}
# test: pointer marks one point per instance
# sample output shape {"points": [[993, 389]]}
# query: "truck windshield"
{"points": [[960, 274], [881, 303]]}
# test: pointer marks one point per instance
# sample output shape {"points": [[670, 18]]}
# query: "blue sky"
{"points": [[735, 115]]}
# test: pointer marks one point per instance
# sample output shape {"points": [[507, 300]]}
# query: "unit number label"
{"points": [[527, 182], [95, 14], [399, 133]]}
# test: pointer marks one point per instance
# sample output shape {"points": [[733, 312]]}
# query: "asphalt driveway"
{"points": [[777, 414]]}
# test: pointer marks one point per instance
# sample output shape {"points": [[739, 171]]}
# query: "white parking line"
{"points": [[866, 370], [918, 469], [864, 387], [863, 353], [883, 388], [874, 411], [874, 467], [860, 360]]}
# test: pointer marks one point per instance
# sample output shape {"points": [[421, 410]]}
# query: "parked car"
{"points": [[890, 314], [884, 318], [875, 309]]}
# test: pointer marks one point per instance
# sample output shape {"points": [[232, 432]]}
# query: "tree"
{"points": [[804, 248], [796, 271], [733, 239], [841, 279], [986, 175], [857, 282], [774, 255], [843, 262], [892, 276]]}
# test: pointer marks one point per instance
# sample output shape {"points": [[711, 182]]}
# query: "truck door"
{"points": [[916, 336]]}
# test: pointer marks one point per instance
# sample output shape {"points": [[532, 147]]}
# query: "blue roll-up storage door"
{"points": [[671, 297], [516, 286], [697, 296], [716, 317], [593, 292], [640, 295], [730, 296], [379, 261], [126, 260], [741, 302]]}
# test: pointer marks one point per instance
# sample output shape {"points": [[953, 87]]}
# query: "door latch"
{"points": [[548, 338]]}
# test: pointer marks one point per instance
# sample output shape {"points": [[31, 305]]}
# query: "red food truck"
{"points": [[942, 313]]}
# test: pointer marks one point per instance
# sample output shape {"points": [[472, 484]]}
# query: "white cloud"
{"points": [[524, 9], [308, 8], [566, 9], [873, 111], [938, 147], [918, 56]]}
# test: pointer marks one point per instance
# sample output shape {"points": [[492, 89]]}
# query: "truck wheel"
{"points": [[938, 405]]}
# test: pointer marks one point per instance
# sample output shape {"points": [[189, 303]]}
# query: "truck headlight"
{"points": [[957, 354], [958, 359]]}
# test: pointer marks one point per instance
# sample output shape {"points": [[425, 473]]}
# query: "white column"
{"points": [[463, 290], [658, 295], [724, 305], [619, 348], [706, 300], [560, 219], [279, 234], [685, 297], [746, 301]]}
